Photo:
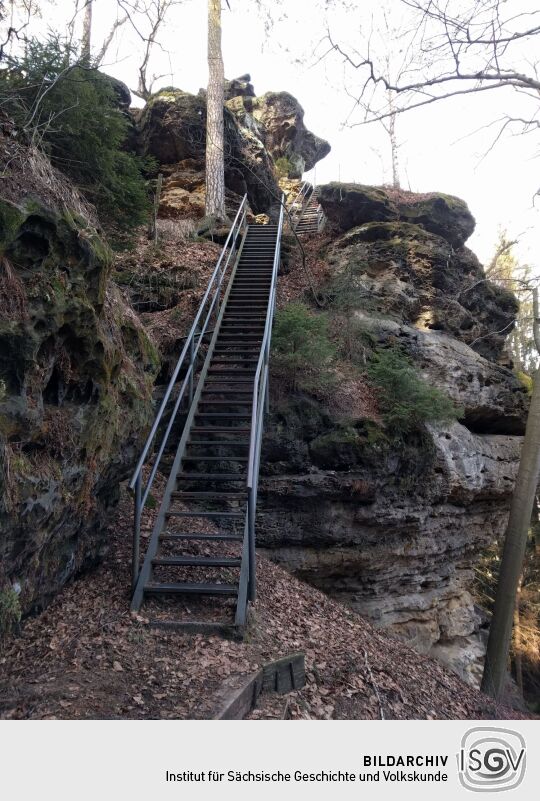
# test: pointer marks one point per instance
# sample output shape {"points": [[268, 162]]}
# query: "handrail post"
{"points": [[252, 586], [191, 368], [136, 533]]}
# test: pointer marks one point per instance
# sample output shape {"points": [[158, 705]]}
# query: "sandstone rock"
{"points": [[239, 87], [76, 370], [408, 274], [491, 398], [350, 205], [281, 118], [172, 128], [395, 546]]}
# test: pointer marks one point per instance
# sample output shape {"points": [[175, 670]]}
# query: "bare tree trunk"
{"points": [[86, 39], [500, 630], [215, 169], [393, 141], [108, 39]]}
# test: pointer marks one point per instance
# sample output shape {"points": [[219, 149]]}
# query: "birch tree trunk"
{"points": [[86, 39], [393, 142], [215, 169]]}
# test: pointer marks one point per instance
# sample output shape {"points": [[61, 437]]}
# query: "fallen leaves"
{"points": [[87, 657]]}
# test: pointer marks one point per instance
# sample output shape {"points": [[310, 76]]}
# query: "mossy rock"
{"points": [[340, 449], [350, 205]]}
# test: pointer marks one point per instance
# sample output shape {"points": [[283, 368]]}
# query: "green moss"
{"points": [[526, 380], [11, 218], [337, 449]]}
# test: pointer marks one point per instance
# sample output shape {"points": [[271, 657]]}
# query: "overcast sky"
{"points": [[436, 151]]}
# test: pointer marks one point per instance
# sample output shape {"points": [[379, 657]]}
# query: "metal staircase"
{"points": [[203, 540], [306, 211]]}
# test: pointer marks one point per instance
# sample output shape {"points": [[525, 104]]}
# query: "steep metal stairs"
{"points": [[202, 543], [308, 214]]}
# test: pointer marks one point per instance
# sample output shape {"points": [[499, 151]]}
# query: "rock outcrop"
{"points": [[393, 528], [76, 370], [350, 205], [280, 118], [258, 131]]}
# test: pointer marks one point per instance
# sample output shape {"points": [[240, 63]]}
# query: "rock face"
{"points": [[172, 129], [349, 205], [281, 120], [76, 370], [411, 275], [393, 528]]}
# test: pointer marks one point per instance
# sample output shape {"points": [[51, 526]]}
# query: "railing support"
{"points": [[191, 369], [136, 532], [252, 502]]}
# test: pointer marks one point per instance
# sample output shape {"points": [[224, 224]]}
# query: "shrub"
{"points": [[283, 166], [72, 113], [406, 401], [302, 351]]}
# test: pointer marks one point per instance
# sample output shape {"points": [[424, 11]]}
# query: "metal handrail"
{"points": [[192, 346], [260, 404], [301, 196]]}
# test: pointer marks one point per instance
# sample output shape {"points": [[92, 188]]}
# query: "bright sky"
{"points": [[434, 154]]}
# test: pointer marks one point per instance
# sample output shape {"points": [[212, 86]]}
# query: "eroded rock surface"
{"points": [[76, 369], [393, 528], [258, 131]]}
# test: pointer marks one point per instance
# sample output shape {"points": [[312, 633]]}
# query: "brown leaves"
{"points": [[87, 657]]}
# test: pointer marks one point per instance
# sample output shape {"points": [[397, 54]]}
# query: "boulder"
{"points": [[351, 205], [239, 87], [76, 371]]}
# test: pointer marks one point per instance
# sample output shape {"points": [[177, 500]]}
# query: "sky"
{"points": [[438, 148]]}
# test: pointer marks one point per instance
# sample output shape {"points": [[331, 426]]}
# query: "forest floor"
{"points": [[86, 657]]}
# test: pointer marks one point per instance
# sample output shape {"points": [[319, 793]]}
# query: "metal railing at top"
{"points": [[260, 405], [297, 205], [189, 359]]}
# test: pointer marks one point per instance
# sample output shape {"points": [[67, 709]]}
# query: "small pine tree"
{"points": [[71, 112], [302, 351], [405, 399]]}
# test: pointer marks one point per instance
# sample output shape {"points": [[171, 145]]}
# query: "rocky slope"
{"points": [[394, 530], [76, 372]]}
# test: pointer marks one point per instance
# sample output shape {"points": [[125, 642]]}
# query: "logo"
{"points": [[491, 760]]}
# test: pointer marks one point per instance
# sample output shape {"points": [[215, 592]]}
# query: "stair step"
{"points": [[219, 430], [207, 391], [211, 477], [233, 371], [201, 536], [196, 561], [192, 588], [247, 402], [221, 496], [214, 444], [228, 515], [225, 415], [215, 458]]}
